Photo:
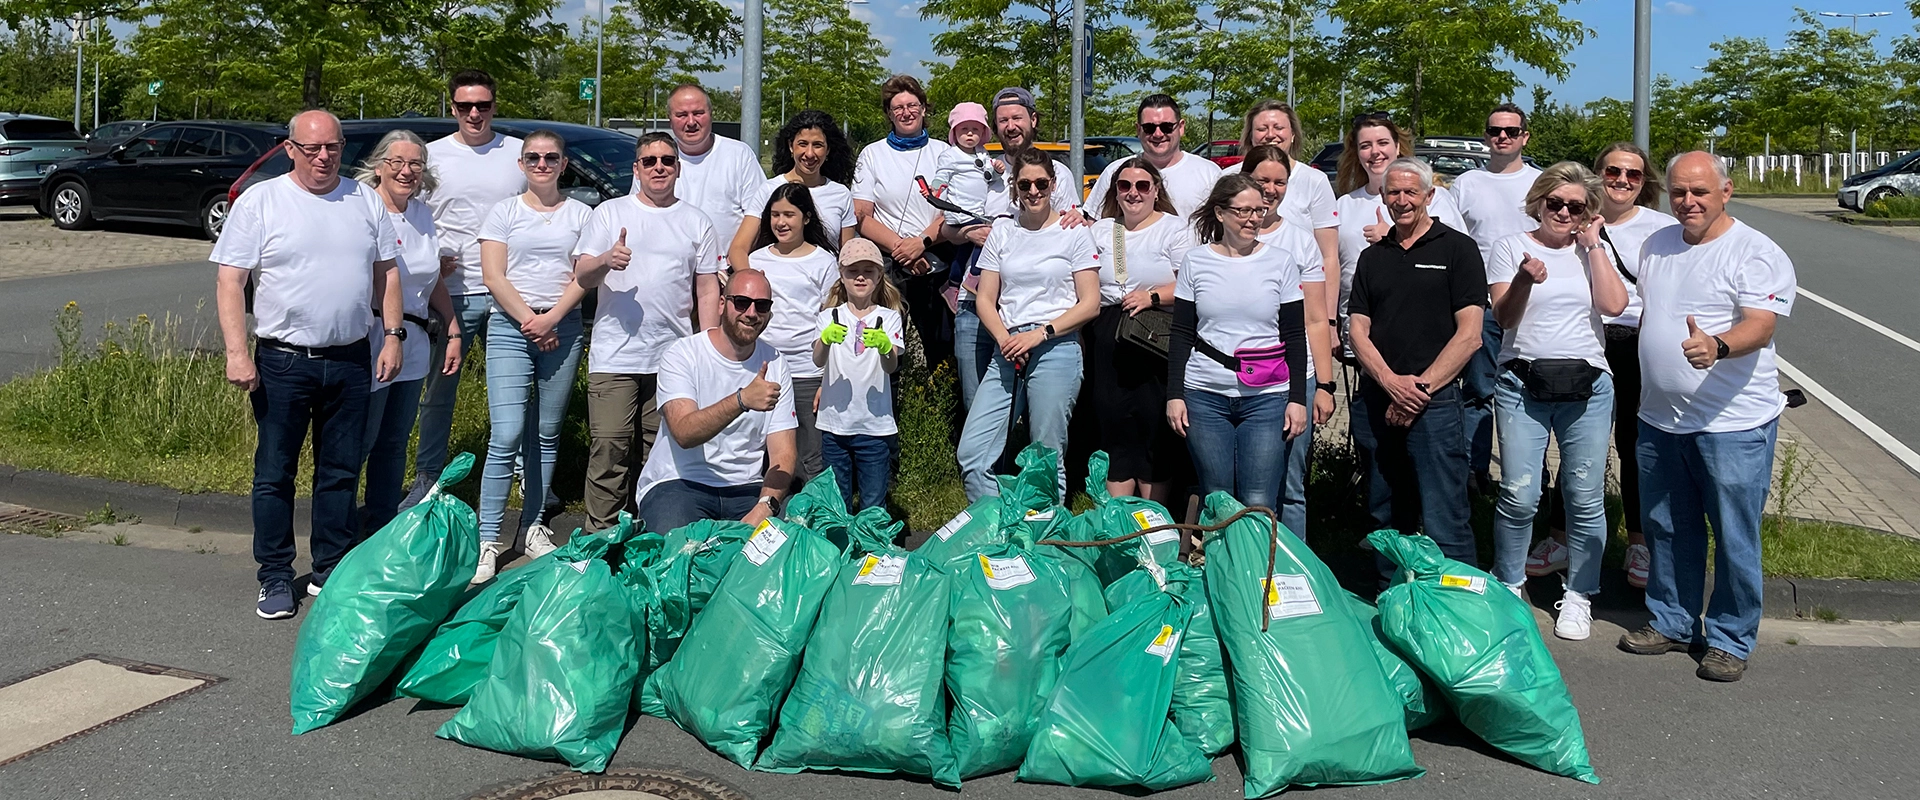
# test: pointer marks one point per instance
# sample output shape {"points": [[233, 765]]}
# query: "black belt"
{"points": [[423, 322], [356, 350]]}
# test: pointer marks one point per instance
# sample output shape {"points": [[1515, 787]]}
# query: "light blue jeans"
{"points": [[1240, 446], [1583, 429], [972, 352], [521, 377], [1688, 482], [1045, 390], [438, 392]]}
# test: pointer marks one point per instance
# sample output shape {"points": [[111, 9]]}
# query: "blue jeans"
{"points": [[677, 503], [521, 377], [1582, 429], [1477, 378], [390, 412], [326, 394], [1239, 446], [436, 404], [972, 352], [863, 461], [1423, 467], [1046, 389], [1687, 483]]}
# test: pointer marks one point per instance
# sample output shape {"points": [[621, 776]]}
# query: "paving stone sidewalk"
{"points": [[30, 246]]}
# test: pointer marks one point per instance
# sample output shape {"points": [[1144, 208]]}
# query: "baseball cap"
{"points": [[860, 251], [1013, 94], [967, 112]]}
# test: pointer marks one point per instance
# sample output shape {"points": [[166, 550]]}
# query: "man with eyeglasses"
{"points": [[316, 248], [656, 261], [895, 215], [727, 400], [477, 168], [718, 175], [1188, 178]]}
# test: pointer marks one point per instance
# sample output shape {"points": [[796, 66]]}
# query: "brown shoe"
{"points": [[1722, 666], [1649, 642]]}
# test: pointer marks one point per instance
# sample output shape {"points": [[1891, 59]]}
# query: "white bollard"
{"points": [[1826, 170], [1796, 170]]}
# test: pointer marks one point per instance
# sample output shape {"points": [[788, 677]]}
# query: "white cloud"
{"points": [[1677, 9], [909, 10]]}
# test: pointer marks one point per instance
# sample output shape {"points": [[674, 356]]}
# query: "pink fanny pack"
{"points": [[1256, 367]]}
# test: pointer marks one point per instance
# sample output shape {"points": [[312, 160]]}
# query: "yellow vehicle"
{"points": [[1059, 151]]}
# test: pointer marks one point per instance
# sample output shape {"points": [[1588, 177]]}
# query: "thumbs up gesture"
{"points": [[1532, 270], [1378, 230], [760, 394], [1700, 349], [620, 256]]}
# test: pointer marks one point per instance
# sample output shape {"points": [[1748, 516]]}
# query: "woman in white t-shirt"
{"points": [[398, 171], [800, 263], [896, 215], [533, 341], [859, 345], [810, 150], [1039, 283], [1373, 141], [1141, 241], [1238, 299], [1550, 287], [1310, 201]]}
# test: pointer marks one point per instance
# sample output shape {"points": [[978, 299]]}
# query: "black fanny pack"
{"points": [[1556, 380]]}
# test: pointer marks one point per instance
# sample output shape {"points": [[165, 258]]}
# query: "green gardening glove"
{"points": [[878, 340], [834, 333]]}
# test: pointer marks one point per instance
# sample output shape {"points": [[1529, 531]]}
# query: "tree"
{"points": [[819, 56], [1805, 96], [997, 43], [1230, 54]]}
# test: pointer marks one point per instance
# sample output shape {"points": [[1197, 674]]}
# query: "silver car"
{"points": [[29, 147], [1900, 176]]}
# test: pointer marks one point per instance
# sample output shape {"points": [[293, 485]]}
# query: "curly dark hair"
{"points": [[839, 164]]}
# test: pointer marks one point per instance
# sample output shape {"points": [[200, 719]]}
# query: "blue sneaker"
{"points": [[276, 600]]}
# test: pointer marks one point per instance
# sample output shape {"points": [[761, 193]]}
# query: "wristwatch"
{"points": [[1049, 330], [926, 241], [1723, 348], [773, 506], [1328, 386], [402, 332], [1155, 297]]}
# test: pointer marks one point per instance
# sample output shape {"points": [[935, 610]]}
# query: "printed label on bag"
{"points": [[1149, 518], [578, 566], [1165, 644], [1290, 596], [953, 525], [767, 540], [1475, 584], [1006, 573], [881, 571], [1040, 516]]}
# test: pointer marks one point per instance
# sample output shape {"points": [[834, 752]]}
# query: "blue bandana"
{"points": [[898, 142]]}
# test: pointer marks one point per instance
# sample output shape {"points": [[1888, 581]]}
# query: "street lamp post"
{"points": [[1077, 120], [1853, 138], [599, 57], [79, 65], [1290, 60], [750, 76], [1643, 73]]}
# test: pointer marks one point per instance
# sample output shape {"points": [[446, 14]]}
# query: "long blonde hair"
{"points": [[884, 293]]}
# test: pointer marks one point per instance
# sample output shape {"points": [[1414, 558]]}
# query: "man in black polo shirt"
{"points": [[1417, 301]]}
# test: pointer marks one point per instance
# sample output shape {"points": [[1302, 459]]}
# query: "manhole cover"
{"points": [[619, 783], [21, 519], [66, 701]]}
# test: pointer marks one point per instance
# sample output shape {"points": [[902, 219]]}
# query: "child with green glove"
{"points": [[859, 345]]}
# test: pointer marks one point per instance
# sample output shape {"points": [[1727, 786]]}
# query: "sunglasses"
{"points": [[648, 162], [1163, 127], [482, 106], [1371, 116], [1633, 175], [1509, 131], [742, 302], [1143, 185], [1036, 185], [536, 159], [1574, 207]]}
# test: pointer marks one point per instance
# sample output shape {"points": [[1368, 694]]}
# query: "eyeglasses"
{"points": [[1034, 184], [1143, 185], [1633, 175], [648, 162], [536, 159], [482, 106], [1164, 127], [1509, 131], [742, 302], [311, 150], [1574, 207], [397, 164], [910, 109], [1245, 212]]}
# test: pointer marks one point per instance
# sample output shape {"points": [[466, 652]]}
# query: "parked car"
{"points": [[114, 133], [1449, 158], [1224, 152], [1900, 176], [1063, 153], [30, 146], [1111, 149], [173, 172]]}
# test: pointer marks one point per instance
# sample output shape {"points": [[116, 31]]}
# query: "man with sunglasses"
{"points": [[656, 260], [477, 168], [316, 248], [1188, 178], [727, 400], [718, 175]]}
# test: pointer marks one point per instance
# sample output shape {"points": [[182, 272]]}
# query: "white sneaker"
{"points": [[489, 553], [1518, 589], [1576, 617], [1548, 557], [1639, 560], [538, 541]]}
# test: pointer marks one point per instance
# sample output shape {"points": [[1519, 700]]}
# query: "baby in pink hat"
{"points": [[966, 173]]}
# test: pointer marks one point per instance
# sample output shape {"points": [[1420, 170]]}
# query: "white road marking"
{"points": [[1856, 317], [1879, 435]]}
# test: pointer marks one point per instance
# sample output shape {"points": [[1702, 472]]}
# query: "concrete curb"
{"points": [[1877, 222]]}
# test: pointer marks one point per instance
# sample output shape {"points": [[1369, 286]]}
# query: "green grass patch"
{"points": [[1894, 208], [1799, 548]]}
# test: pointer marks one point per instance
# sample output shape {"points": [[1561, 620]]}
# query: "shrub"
{"points": [[1895, 207]]}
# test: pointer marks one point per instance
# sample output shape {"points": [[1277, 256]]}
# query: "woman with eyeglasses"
{"points": [[894, 214], [810, 150], [1141, 241], [1039, 283], [801, 262], [533, 341], [1373, 141], [1309, 198], [1550, 288], [398, 172]]}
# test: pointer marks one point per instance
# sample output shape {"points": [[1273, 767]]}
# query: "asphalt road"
{"points": [[28, 306]]}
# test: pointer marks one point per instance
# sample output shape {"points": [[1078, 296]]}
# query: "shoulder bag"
{"points": [[1150, 330]]}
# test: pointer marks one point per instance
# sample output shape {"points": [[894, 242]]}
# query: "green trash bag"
{"points": [[1113, 517], [1311, 705], [735, 665], [1480, 645], [1202, 705], [694, 558], [820, 508], [1107, 723], [1419, 697], [1032, 494], [562, 674], [869, 697], [383, 600]]}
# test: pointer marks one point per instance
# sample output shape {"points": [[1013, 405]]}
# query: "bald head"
{"points": [[314, 125], [1698, 189], [313, 144], [749, 282], [692, 119]]}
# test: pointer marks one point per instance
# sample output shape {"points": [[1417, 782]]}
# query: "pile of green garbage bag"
{"points": [[1027, 501], [694, 557], [1113, 517], [1417, 696], [1202, 702]]}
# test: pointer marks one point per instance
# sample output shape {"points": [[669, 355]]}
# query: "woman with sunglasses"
{"points": [[801, 262], [1373, 141], [533, 342], [1141, 241], [1039, 283], [810, 150], [1310, 200], [1550, 288]]}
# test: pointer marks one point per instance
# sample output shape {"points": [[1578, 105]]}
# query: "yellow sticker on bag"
{"points": [[1475, 584], [1164, 644]]}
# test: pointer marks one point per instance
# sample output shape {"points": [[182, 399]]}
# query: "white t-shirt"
{"points": [[800, 285], [1356, 210], [312, 257], [419, 265], [857, 397], [539, 246], [472, 181], [1238, 301], [832, 201], [1712, 282], [1560, 320], [1036, 269], [1189, 180], [1066, 191], [648, 305], [968, 178], [1153, 255], [885, 177], [1627, 238], [1493, 205], [722, 182], [1309, 202], [692, 369]]}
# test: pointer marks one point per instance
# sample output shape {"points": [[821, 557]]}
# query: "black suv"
{"points": [[173, 172]]}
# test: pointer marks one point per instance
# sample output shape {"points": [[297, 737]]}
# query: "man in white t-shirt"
{"points": [[655, 259], [477, 168], [316, 249], [1710, 402], [718, 175], [727, 404], [1189, 178]]}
